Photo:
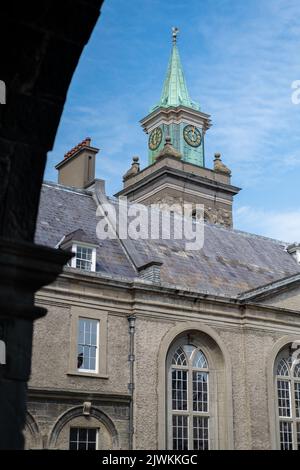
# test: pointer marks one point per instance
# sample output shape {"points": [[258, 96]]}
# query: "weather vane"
{"points": [[175, 32]]}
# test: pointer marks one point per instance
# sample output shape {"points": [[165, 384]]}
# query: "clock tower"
{"points": [[177, 174], [177, 116]]}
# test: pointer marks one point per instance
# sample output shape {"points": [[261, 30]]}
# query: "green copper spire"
{"points": [[176, 117], [175, 92]]}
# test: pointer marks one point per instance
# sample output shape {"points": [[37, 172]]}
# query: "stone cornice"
{"points": [[179, 174], [175, 114], [52, 393], [139, 287]]}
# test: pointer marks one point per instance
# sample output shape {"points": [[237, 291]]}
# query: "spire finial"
{"points": [[175, 32]]}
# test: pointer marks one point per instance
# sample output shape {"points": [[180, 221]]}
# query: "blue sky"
{"points": [[240, 59]]}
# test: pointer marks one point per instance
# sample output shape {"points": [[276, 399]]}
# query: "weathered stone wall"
{"points": [[289, 299], [47, 413], [245, 345]]}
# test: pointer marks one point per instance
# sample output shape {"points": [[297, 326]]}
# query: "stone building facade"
{"points": [[148, 345]]}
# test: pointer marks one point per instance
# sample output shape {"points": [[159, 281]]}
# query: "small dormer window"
{"points": [[85, 257], [84, 251]]}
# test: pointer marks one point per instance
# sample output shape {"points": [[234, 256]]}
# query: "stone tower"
{"points": [[176, 173]]}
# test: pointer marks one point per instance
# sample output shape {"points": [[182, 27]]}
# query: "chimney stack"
{"points": [[77, 169], [150, 271]]}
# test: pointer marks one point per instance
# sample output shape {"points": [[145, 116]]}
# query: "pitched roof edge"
{"points": [[268, 290], [70, 189]]}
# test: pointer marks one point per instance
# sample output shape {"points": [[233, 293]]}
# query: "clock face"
{"points": [[155, 138], [192, 135]]}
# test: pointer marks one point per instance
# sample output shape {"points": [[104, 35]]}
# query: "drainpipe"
{"points": [[131, 359]]}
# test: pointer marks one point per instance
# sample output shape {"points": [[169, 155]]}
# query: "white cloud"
{"points": [[279, 225], [247, 88]]}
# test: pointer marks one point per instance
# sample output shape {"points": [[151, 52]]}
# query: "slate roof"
{"points": [[76, 236], [231, 262], [63, 211]]}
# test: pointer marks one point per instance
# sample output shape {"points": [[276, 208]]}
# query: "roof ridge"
{"points": [[265, 288], [70, 189], [252, 235]]}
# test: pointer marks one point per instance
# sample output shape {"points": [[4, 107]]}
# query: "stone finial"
{"points": [[169, 150], [135, 168], [219, 166], [175, 32]]}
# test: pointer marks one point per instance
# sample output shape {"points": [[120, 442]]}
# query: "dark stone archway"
{"points": [[40, 46]]}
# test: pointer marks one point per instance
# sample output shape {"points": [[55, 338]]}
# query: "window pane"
{"points": [[82, 446], [189, 349], [180, 432], [286, 436], [92, 363], [179, 389], [87, 344], [297, 371], [199, 360], [82, 434], [297, 399], [73, 434], [81, 332], [179, 358], [91, 446], [284, 405], [298, 436], [84, 258], [283, 368], [92, 433], [200, 433], [200, 391]]}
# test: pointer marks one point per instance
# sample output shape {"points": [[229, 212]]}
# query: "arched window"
{"points": [[188, 399], [287, 376]]}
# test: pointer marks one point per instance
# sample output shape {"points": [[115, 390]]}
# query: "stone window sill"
{"points": [[88, 374]]}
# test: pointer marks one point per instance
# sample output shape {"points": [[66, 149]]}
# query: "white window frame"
{"points": [[96, 370], [189, 413], [291, 380], [74, 259], [86, 429], [91, 314]]}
